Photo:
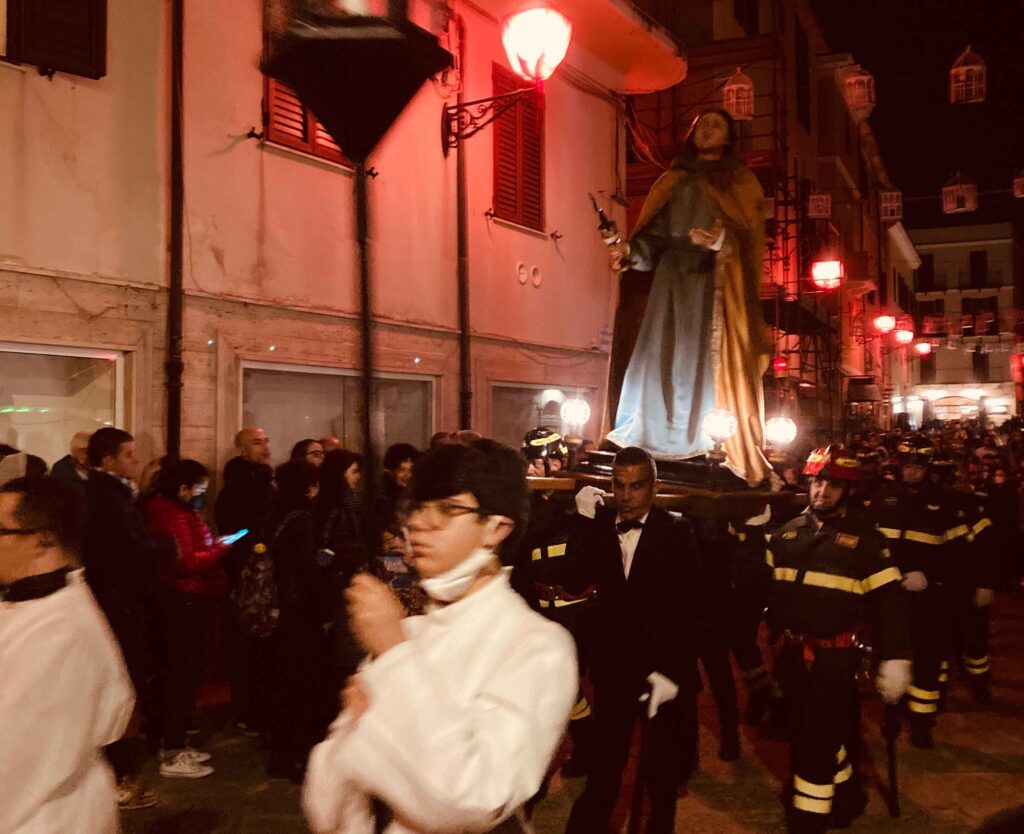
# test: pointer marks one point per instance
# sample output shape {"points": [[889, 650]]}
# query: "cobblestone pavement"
{"points": [[972, 780]]}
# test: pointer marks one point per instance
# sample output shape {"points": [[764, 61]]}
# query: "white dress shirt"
{"points": [[628, 542], [64, 695], [464, 718]]}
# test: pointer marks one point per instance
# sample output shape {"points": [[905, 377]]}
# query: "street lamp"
{"points": [[575, 412], [827, 272], [923, 348], [536, 39], [904, 335], [780, 431], [884, 323]]}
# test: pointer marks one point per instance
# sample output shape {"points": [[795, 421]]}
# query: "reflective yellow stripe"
{"points": [[918, 707], [769, 558], [810, 789], [814, 806], [536, 555], [559, 603], [844, 775], [741, 537], [890, 532], [944, 664], [841, 755], [943, 677], [976, 661], [883, 577], [785, 574], [554, 551], [830, 580], [923, 538], [923, 694], [981, 525], [956, 532], [979, 670], [581, 710]]}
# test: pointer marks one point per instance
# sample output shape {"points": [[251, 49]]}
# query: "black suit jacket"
{"points": [[650, 622]]}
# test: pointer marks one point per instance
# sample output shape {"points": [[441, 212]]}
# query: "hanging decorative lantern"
{"points": [[959, 195], [884, 323], [780, 365], [738, 96], [780, 431], [891, 204], [923, 348], [859, 91], [1018, 185], [967, 79], [819, 205], [827, 272], [536, 40], [575, 412], [904, 333]]}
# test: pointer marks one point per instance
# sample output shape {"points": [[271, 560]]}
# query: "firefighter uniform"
{"points": [[828, 576], [924, 533]]}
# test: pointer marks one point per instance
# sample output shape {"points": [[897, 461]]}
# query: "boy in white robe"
{"points": [[453, 722]]}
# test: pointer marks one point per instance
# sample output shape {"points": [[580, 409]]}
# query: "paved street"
{"points": [[973, 778]]}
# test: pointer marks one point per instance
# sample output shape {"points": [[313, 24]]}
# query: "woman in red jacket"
{"points": [[192, 582]]}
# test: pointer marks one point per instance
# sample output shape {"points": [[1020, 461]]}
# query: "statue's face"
{"points": [[711, 132]]}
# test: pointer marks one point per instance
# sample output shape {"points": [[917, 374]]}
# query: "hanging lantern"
{"points": [[891, 204], [780, 431], [819, 205], [904, 334], [859, 91], [827, 272], [959, 195], [780, 364], [967, 79], [1018, 185], [923, 348], [884, 323], [536, 40], [738, 95]]}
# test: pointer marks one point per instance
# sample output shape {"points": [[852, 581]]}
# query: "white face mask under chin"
{"points": [[453, 584]]}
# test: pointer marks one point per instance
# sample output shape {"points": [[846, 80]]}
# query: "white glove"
{"points": [[663, 690], [893, 680], [983, 597], [587, 500], [915, 581]]}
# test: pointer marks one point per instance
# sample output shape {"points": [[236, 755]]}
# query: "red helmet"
{"points": [[834, 462]]}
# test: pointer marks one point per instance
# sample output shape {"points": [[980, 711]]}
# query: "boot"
{"points": [[921, 732], [849, 803], [982, 685]]}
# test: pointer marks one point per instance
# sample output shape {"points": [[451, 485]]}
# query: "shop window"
{"points": [[515, 409], [296, 402], [48, 394]]}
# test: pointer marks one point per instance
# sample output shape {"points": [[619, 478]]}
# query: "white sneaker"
{"points": [[182, 766], [197, 756]]}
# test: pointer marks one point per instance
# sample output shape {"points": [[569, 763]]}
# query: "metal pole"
{"points": [[366, 325], [175, 366], [462, 215]]}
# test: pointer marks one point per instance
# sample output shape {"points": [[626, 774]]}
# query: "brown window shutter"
{"points": [[288, 121], [324, 146], [506, 152], [531, 120], [518, 156], [63, 35]]}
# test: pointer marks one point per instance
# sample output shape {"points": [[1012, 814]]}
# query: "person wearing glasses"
{"points": [[309, 450], [65, 692], [451, 725]]}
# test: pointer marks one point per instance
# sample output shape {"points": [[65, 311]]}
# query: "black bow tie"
{"points": [[627, 525]]}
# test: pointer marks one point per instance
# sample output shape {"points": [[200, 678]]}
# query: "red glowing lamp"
{"points": [[827, 273], [923, 348], [884, 323], [904, 337], [780, 364], [536, 39]]}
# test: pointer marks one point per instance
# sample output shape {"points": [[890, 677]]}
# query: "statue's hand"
{"points": [[707, 237], [619, 256]]}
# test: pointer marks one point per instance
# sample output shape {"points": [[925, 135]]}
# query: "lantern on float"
{"points": [[738, 96], [859, 92], [1018, 184], [819, 205], [719, 425], [959, 195], [891, 204], [536, 39], [884, 323], [967, 79], [780, 431], [827, 272], [923, 348]]}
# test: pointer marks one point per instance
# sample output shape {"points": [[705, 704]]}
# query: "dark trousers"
{"points": [[820, 701], [188, 624], [249, 673], [714, 657], [671, 735], [931, 616], [971, 632]]}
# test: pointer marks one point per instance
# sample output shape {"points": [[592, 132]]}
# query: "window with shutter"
{"points": [[62, 35], [290, 123], [518, 156]]}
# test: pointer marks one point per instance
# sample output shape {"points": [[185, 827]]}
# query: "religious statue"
{"points": [[702, 343]]}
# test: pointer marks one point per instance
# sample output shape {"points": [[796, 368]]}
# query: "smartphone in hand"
{"points": [[233, 537]]}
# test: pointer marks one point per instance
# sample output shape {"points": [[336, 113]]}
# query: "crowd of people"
{"points": [[332, 594]]}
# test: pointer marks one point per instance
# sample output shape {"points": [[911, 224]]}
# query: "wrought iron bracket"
{"points": [[461, 121]]}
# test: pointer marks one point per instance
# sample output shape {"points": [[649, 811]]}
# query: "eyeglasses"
{"points": [[314, 454], [434, 515], [18, 531]]}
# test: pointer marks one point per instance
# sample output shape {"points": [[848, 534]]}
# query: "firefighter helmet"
{"points": [[835, 462], [915, 449], [543, 443]]}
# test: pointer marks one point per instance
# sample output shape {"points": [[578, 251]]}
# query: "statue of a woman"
{"points": [[702, 344]]}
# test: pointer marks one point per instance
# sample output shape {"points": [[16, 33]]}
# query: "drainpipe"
{"points": [[462, 214], [176, 294], [366, 330]]}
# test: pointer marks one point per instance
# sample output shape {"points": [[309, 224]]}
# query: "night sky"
{"points": [[909, 46]]}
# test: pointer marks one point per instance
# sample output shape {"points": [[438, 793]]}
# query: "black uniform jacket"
{"points": [[650, 622], [834, 579]]}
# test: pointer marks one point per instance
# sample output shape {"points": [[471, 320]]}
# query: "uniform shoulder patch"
{"points": [[891, 500], [789, 534], [847, 540], [932, 507]]}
